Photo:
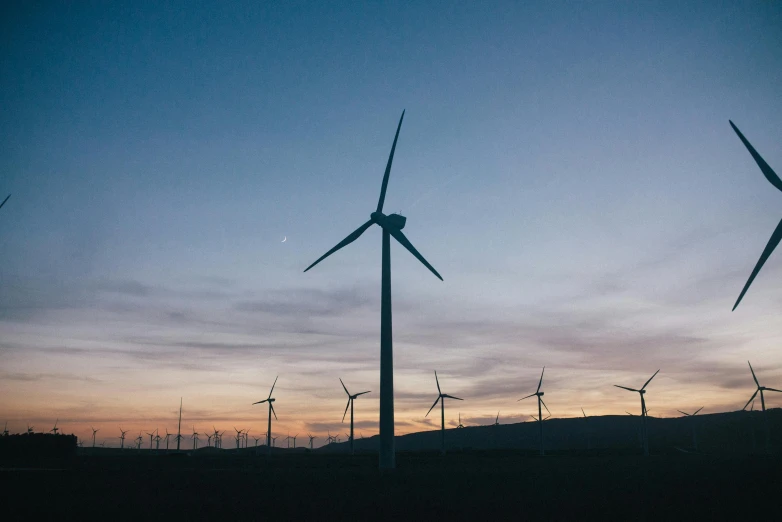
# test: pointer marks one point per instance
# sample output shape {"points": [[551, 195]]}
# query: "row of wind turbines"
{"points": [[392, 225]]}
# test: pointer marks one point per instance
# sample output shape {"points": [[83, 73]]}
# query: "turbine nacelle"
{"points": [[392, 221]]}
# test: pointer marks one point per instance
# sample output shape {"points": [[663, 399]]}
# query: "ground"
{"points": [[466, 485]]}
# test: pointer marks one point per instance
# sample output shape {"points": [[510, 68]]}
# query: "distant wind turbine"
{"points": [[122, 438], [311, 439], [642, 392], [55, 429], [460, 425], [195, 438], [151, 436], [761, 389], [772, 177], [351, 400], [539, 394], [441, 398], [270, 400], [392, 225], [94, 431], [692, 421]]}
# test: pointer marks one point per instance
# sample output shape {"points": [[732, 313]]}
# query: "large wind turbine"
{"points": [[776, 237], [441, 398], [351, 399], [641, 392], [392, 225], [270, 400], [692, 421], [761, 389], [539, 394]]}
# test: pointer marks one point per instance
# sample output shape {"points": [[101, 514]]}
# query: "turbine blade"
{"points": [[541, 380], [527, 397], [771, 176], [773, 389], [544, 405], [399, 236], [680, 411], [271, 404], [438, 382], [750, 400], [260, 402], [650, 379], [346, 410], [6, 199], [343, 387], [362, 393], [753, 374], [348, 240], [776, 237], [273, 385], [625, 388], [582, 411], [433, 405], [699, 409], [384, 186], [452, 397]]}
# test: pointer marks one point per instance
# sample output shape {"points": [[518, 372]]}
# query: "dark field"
{"points": [[469, 485]]}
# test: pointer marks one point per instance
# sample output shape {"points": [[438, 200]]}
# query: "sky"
{"points": [[568, 167]]}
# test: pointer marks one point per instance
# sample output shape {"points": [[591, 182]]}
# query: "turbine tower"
{"points": [[441, 398], [761, 389], [179, 426], [351, 400], [392, 225], [692, 421], [641, 392], [270, 400], [539, 394], [776, 237]]}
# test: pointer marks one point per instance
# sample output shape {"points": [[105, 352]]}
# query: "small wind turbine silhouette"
{"points": [[539, 394], [460, 425], [94, 431], [311, 439], [392, 225], [122, 438], [274, 441], [238, 437], [351, 400], [270, 400], [441, 398], [195, 438], [776, 237], [294, 440], [55, 429], [30, 429], [641, 392], [497, 420], [139, 440], [151, 436], [692, 421], [5, 429], [761, 389]]}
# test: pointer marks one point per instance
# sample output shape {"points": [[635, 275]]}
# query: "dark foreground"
{"points": [[471, 485]]}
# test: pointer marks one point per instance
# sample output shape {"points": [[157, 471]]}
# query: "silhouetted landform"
{"points": [[33, 447]]}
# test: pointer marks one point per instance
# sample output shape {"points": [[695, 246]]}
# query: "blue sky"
{"points": [[567, 167]]}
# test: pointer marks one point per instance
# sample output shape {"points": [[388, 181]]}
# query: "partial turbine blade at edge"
{"points": [[273, 385], [399, 236], [650, 379], [750, 399], [773, 389], [699, 409], [768, 172], [541, 380], [6, 199], [348, 240], [776, 237], [438, 383], [362, 393], [384, 186], [433, 405], [343, 387]]}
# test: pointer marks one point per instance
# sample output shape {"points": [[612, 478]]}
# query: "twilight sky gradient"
{"points": [[567, 167]]}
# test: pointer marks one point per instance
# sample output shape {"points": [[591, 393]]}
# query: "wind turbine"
{"points": [[694, 435], [351, 400], [6, 199], [311, 439], [195, 438], [238, 436], [641, 392], [139, 440], [392, 225], [55, 429], [761, 389], [166, 437], [30, 429], [460, 425], [497, 420], [94, 431], [772, 177], [294, 440], [288, 441], [539, 394], [122, 438], [256, 439], [179, 426], [441, 398], [270, 400], [157, 440], [5, 429], [151, 436], [274, 442]]}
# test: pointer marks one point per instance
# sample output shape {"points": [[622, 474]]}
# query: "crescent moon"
{"points": [[284, 239]]}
